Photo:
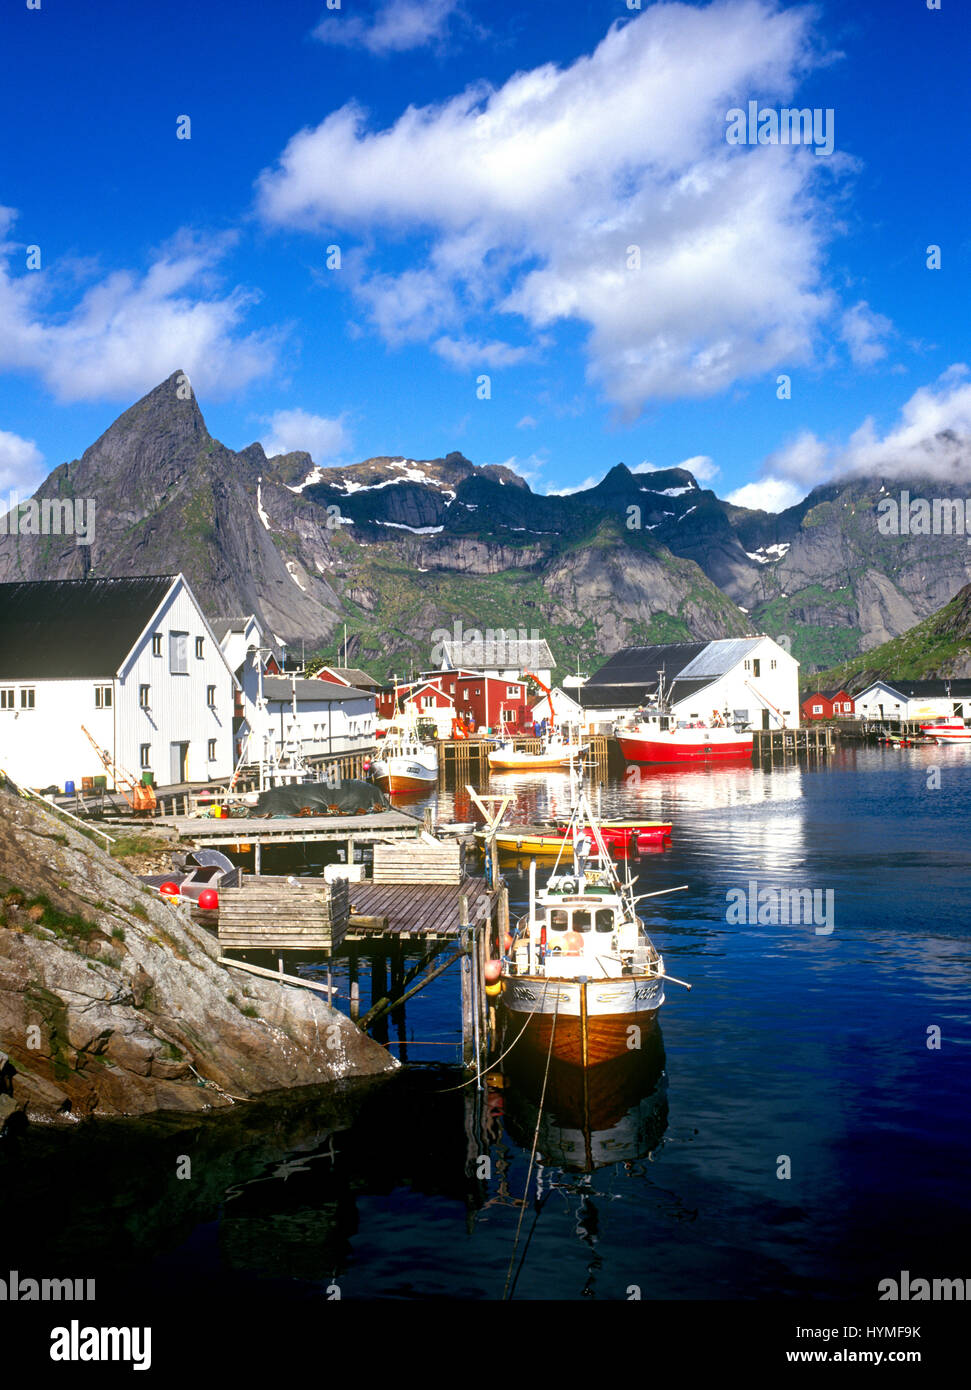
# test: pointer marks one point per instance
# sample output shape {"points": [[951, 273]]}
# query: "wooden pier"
{"points": [[241, 834], [768, 744]]}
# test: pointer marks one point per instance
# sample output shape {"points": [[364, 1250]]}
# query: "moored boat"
{"points": [[582, 978], [555, 752], [547, 841], [946, 730], [656, 736], [405, 763]]}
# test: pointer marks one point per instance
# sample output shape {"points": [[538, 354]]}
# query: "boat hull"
{"points": [[710, 745], [947, 733], [533, 762], [584, 1022], [392, 781]]}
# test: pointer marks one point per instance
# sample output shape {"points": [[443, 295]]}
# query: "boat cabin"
{"points": [[575, 921]]}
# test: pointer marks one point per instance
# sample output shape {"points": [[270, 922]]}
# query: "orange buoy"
{"points": [[492, 971], [572, 943], [507, 944]]}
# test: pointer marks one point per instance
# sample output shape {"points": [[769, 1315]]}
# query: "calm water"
{"points": [[792, 1045]]}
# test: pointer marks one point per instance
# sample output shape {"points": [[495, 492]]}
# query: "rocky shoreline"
{"points": [[112, 1003]]}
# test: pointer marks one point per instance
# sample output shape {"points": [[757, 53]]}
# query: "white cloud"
{"points": [[862, 330], [569, 491], [129, 331], [767, 495], [931, 439], [805, 460], [21, 465], [702, 466], [526, 423], [526, 198], [466, 352], [318, 435], [397, 26]]}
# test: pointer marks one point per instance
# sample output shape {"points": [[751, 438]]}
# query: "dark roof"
{"points": [[914, 690], [74, 628], [632, 673], [309, 688]]}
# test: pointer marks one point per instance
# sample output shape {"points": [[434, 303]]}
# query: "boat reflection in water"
{"points": [[591, 1117]]}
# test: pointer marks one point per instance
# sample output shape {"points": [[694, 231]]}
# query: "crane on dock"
{"points": [[139, 797]]}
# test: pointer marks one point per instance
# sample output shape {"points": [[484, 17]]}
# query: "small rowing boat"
{"points": [[548, 840]]}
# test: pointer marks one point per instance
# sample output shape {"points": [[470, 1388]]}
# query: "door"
{"points": [[765, 719], [180, 762]]}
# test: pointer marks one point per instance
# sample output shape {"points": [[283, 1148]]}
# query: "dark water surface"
{"points": [[796, 1049]]}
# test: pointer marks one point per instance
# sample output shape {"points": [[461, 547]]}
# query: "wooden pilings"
{"points": [[775, 743]]}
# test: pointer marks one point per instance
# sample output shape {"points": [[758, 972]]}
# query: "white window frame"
{"points": [[178, 653]]}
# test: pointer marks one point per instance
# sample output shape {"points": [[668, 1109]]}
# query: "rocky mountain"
{"points": [[398, 548], [940, 646]]}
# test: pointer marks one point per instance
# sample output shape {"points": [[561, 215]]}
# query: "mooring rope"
{"points": [[493, 1066], [532, 1157]]}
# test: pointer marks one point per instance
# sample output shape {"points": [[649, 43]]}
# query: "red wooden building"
{"points": [[828, 704], [490, 702]]}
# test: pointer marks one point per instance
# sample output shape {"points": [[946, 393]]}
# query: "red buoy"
{"points": [[209, 900], [507, 943], [169, 890], [492, 971]]}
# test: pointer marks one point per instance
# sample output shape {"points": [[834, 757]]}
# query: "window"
{"points": [[558, 919], [27, 697], [465, 693], [102, 697], [509, 716], [145, 755], [581, 920], [156, 644], [817, 709], [427, 701], [756, 664], [211, 696], [772, 665], [748, 665], [143, 696], [6, 699], [212, 748], [478, 690], [199, 642], [605, 919], [512, 691], [178, 653]]}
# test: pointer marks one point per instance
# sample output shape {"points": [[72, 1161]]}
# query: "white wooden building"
{"points": [[920, 699], [305, 715], [566, 710], [752, 678], [133, 661]]}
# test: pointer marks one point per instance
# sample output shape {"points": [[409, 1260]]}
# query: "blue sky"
{"points": [[484, 169]]}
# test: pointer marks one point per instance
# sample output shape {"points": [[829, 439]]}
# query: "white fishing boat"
{"points": [[404, 762], [947, 730], [582, 971], [654, 735]]}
